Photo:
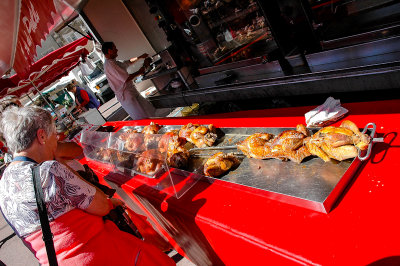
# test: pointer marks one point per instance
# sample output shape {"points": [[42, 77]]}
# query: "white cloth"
{"points": [[327, 113], [134, 104]]}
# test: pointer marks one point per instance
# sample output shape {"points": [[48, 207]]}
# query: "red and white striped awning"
{"points": [[49, 68], [24, 24]]}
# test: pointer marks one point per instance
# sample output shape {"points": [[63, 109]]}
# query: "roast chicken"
{"points": [[103, 154], [219, 164], [174, 146], [339, 143], [163, 144], [287, 145], [203, 136], [153, 128], [133, 140], [187, 130], [254, 145], [150, 162], [150, 137], [177, 154]]}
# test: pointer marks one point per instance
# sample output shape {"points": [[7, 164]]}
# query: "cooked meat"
{"points": [[153, 128], [163, 144], [103, 154], [126, 134], [288, 140], [177, 154], [150, 162], [187, 130], [174, 146], [302, 128], [134, 142], [287, 145], [150, 137], [124, 156], [315, 150], [339, 143], [340, 153], [219, 164], [254, 145], [359, 139], [203, 136], [295, 155]]}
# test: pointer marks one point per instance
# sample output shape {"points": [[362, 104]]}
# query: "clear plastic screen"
{"points": [[131, 153]]}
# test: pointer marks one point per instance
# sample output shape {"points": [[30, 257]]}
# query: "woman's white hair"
{"points": [[19, 126]]}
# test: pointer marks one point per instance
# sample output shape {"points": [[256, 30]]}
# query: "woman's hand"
{"points": [[117, 202]]}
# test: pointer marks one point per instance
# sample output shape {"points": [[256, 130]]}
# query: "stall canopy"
{"points": [[48, 69], [24, 24]]}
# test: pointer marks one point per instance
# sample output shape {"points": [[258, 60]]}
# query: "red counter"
{"points": [[218, 223]]}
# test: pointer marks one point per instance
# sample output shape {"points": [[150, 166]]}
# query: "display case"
{"points": [[131, 151]]}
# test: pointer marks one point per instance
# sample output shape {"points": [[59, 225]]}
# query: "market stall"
{"points": [[215, 221]]}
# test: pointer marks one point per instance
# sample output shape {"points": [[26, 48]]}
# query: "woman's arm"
{"points": [[99, 203], [67, 151]]}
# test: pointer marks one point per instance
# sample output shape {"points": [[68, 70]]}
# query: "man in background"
{"points": [[121, 82]]}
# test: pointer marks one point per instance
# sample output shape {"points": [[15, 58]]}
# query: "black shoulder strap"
{"points": [[44, 220]]}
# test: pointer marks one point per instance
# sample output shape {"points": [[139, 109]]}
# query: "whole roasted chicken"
{"points": [[287, 145], [150, 162], [187, 130], [174, 146], [203, 136], [254, 145], [219, 164], [133, 140], [339, 143], [177, 154], [153, 128], [163, 144], [150, 137], [103, 154]]}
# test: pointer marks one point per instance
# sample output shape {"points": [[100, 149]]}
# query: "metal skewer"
{"points": [[214, 148]]}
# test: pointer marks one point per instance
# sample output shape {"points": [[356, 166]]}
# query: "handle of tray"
{"points": [[372, 135]]}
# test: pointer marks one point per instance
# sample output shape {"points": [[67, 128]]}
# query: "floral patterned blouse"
{"points": [[62, 190]]}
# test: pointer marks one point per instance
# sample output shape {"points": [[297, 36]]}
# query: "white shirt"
{"points": [[134, 104], [117, 75]]}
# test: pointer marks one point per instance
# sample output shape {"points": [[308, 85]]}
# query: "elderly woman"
{"points": [[65, 150], [75, 207]]}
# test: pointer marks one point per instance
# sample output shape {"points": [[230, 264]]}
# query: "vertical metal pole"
{"points": [[43, 97], [29, 97]]}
